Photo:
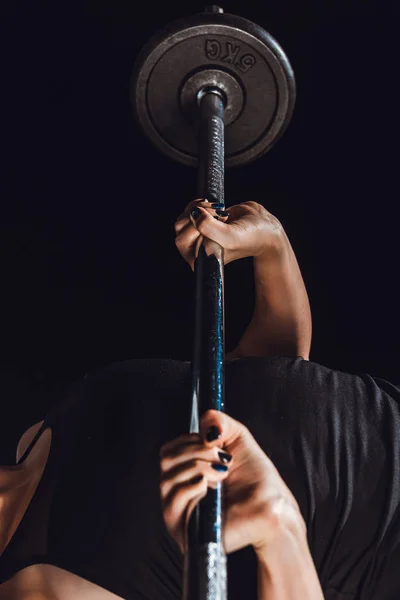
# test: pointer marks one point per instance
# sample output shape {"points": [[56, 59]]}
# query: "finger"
{"points": [[236, 210], [189, 511], [183, 218], [175, 504], [216, 230], [219, 429], [187, 448], [188, 471], [185, 438], [186, 241], [206, 202], [190, 204], [186, 219], [183, 457]]}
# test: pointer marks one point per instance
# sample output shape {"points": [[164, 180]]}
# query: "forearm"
{"points": [[289, 573], [281, 323]]}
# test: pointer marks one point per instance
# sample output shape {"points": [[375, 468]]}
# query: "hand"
{"points": [[258, 505], [248, 230]]}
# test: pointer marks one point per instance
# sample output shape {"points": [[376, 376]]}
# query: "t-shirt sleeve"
{"points": [[334, 438], [391, 389]]}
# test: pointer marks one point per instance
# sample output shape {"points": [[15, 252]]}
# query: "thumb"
{"points": [[219, 429]]}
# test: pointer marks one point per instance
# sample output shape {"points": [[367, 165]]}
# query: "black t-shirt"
{"points": [[334, 437]]}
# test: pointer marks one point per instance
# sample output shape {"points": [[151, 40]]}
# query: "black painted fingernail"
{"points": [[220, 468], [196, 212], [213, 434], [217, 205], [222, 213], [226, 458], [216, 218]]}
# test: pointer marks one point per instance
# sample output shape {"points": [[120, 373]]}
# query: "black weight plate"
{"points": [[225, 43]]}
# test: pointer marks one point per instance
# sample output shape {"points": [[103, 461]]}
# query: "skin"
{"points": [[281, 324], [259, 508], [252, 231], [17, 486], [256, 499], [260, 511]]}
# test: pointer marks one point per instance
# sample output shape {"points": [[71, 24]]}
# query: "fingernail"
{"points": [[222, 213], [213, 434], [226, 458], [216, 218], [217, 205], [196, 212], [220, 468]]}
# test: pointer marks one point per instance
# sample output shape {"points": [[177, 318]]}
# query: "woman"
{"points": [[311, 487]]}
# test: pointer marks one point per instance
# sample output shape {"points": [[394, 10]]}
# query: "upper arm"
{"points": [[26, 439], [238, 354]]}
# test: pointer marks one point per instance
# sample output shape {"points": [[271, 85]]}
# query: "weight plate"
{"points": [[213, 49]]}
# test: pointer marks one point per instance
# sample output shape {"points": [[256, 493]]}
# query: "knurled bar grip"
{"points": [[205, 565]]}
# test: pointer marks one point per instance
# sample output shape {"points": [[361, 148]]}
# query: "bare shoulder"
{"points": [[26, 439]]}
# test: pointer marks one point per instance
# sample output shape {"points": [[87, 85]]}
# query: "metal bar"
{"points": [[205, 569]]}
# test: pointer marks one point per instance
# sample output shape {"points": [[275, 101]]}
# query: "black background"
{"points": [[89, 270]]}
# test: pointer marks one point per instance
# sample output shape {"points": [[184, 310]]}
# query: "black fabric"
{"points": [[334, 438]]}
